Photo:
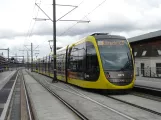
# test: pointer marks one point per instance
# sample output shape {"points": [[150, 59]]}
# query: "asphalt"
{"points": [[4, 95], [4, 92], [5, 77], [4, 74], [1, 109]]}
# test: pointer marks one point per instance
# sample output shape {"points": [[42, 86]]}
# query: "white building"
{"points": [[147, 52]]}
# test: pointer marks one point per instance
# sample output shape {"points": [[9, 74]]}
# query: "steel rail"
{"points": [[137, 106], [80, 115], [147, 96], [122, 114], [29, 111], [134, 105], [94, 101], [147, 88]]}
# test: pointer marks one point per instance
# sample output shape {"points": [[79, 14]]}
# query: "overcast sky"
{"points": [[123, 17]]}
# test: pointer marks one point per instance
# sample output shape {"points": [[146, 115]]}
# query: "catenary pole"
{"points": [[31, 58], [54, 41]]}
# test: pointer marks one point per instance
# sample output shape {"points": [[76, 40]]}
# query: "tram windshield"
{"points": [[115, 55]]}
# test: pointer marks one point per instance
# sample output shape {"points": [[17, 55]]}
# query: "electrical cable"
{"points": [[67, 30]]}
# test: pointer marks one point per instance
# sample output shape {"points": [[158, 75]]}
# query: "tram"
{"points": [[98, 61]]}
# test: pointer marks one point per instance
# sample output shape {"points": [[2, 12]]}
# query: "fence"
{"points": [[154, 72]]}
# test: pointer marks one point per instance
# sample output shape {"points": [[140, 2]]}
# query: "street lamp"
{"points": [[36, 54], [50, 44]]}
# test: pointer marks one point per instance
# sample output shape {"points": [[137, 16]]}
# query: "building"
{"points": [[147, 53]]}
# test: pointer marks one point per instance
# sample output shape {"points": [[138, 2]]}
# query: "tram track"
{"points": [[97, 97], [137, 106], [145, 95], [80, 115], [134, 105], [147, 90], [14, 108], [27, 99], [85, 97]]}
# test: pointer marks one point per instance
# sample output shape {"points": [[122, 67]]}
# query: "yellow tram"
{"points": [[98, 61]]}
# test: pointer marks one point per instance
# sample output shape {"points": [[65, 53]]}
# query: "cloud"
{"points": [[124, 17], [129, 16], [10, 34]]}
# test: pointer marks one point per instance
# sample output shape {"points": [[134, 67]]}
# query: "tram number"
{"points": [[121, 75]]}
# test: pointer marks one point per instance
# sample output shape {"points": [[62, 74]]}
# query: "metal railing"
{"points": [[154, 72]]}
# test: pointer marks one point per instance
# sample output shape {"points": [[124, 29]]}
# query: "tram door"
{"points": [[142, 69]]}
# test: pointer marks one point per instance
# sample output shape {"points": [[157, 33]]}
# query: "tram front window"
{"points": [[115, 55]]}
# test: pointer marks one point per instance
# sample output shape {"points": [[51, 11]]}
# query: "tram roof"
{"points": [[107, 35], [145, 36]]}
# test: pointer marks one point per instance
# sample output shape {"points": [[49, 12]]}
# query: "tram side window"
{"points": [[73, 60], [60, 62], [92, 66], [81, 57], [77, 58]]}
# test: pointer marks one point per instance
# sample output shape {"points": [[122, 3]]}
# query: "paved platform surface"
{"points": [[148, 82], [4, 77], [5, 87], [45, 105]]}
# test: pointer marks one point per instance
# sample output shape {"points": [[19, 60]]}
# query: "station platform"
{"points": [[4, 77], [5, 89], [45, 105], [148, 82]]}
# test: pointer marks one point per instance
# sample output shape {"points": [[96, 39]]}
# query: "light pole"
{"points": [[50, 45], [36, 54]]}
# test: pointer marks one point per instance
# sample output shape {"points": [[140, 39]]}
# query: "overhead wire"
{"points": [[67, 30], [63, 16], [30, 21], [30, 29], [34, 21]]}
